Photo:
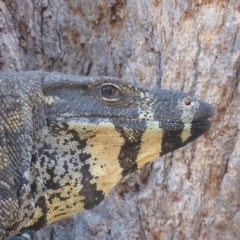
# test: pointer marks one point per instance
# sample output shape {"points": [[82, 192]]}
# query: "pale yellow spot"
{"points": [[5, 185], [49, 100], [151, 144], [186, 133], [146, 115], [38, 213]]}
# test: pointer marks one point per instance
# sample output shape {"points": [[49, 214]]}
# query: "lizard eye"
{"points": [[110, 92]]}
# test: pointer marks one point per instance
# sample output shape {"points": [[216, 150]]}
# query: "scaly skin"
{"points": [[66, 141]]}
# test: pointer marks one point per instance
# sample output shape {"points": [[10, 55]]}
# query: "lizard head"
{"points": [[174, 118], [101, 129]]}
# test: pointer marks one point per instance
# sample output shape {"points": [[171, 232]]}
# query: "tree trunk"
{"points": [[190, 46]]}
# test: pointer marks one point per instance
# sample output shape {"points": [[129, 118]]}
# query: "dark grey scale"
{"points": [[42, 221], [33, 185], [129, 151], [197, 129], [45, 156], [92, 196], [54, 185], [172, 134], [171, 139], [59, 196]]}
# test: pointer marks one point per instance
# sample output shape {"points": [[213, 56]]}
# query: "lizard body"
{"points": [[67, 140]]}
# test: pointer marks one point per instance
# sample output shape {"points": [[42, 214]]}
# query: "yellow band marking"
{"points": [[188, 112], [186, 133], [151, 144], [105, 148]]}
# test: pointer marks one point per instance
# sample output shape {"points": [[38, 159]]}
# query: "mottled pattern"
{"points": [[67, 140]]}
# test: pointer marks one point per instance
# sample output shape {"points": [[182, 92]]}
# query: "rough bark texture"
{"points": [[186, 45]]}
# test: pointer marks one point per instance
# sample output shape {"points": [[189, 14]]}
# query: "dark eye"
{"points": [[108, 91]]}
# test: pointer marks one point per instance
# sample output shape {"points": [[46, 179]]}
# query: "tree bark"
{"points": [[190, 46]]}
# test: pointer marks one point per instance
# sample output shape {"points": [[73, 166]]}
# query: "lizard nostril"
{"points": [[187, 101]]}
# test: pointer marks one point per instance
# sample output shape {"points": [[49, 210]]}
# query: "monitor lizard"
{"points": [[67, 140]]}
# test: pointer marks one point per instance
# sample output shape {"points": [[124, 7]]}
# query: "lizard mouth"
{"points": [[119, 118], [195, 126], [204, 125], [176, 135]]}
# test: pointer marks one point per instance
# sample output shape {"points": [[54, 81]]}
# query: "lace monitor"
{"points": [[66, 141]]}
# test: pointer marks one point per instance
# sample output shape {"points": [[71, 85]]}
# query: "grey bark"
{"points": [[191, 46]]}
